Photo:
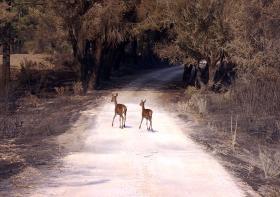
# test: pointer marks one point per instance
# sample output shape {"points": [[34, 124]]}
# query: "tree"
{"points": [[15, 25], [96, 29], [37, 28], [256, 43], [5, 28], [195, 30]]}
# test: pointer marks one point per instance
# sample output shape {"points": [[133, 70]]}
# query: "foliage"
{"points": [[34, 27], [181, 31], [6, 17], [40, 29], [4, 14], [197, 29], [255, 25]]}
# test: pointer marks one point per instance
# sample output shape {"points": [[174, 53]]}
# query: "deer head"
{"points": [[114, 97], [142, 103]]}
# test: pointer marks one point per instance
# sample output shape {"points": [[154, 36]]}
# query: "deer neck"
{"points": [[116, 103], [143, 108]]}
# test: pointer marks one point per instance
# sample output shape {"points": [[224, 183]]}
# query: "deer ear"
{"points": [[117, 94], [144, 101]]}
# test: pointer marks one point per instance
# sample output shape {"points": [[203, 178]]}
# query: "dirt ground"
{"points": [[140, 157], [28, 141], [31, 146], [243, 161], [29, 130]]}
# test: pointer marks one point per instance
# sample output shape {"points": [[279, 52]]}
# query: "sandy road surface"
{"points": [[133, 162]]}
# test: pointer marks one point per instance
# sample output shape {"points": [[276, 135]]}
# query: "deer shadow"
{"points": [[128, 127], [77, 184], [149, 131]]}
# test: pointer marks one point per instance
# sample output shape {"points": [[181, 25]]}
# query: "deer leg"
{"points": [[125, 117], [124, 120], [120, 121], [114, 119], [141, 123], [147, 124], [151, 125]]}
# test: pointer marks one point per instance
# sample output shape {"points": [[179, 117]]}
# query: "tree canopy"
{"points": [[180, 31]]}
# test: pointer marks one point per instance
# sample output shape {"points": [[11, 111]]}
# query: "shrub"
{"points": [[199, 103], [269, 191], [10, 126], [78, 88], [270, 162], [183, 107], [30, 100], [60, 91], [258, 95], [30, 77], [191, 91]]}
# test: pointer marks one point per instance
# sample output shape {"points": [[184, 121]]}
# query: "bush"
{"points": [[60, 91], [78, 88], [270, 162], [30, 77], [199, 103], [65, 61], [269, 191], [259, 96], [48, 80], [10, 126], [30, 100]]}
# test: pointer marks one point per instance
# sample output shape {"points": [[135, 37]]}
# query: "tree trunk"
{"points": [[120, 54], [74, 42], [5, 67], [94, 78], [135, 51], [212, 61], [108, 59]]}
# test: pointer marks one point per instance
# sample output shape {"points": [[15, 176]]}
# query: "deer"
{"points": [[147, 114], [120, 110]]}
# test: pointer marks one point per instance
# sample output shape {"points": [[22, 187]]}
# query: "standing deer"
{"points": [[120, 110], [147, 114]]}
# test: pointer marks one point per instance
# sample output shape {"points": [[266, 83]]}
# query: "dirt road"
{"points": [[105, 161]]}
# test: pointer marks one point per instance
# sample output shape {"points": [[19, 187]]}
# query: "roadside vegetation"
{"points": [[55, 50]]}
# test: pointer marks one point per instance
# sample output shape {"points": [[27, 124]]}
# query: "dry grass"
{"points": [[30, 100], [78, 88], [270, 162], [26, 137], [46, 80], [10, 126], [182, 106], [269, 191], [199, 103], [258, 96], [234, 134], [60, 91], [40, 59], [17, 60], [239, 120], [191, 91]]}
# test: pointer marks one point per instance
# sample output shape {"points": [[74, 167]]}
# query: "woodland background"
{"points": [[71, 47]]}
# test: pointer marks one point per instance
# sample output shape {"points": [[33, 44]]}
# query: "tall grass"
{"points": [[270, 162], [259, 96]]}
